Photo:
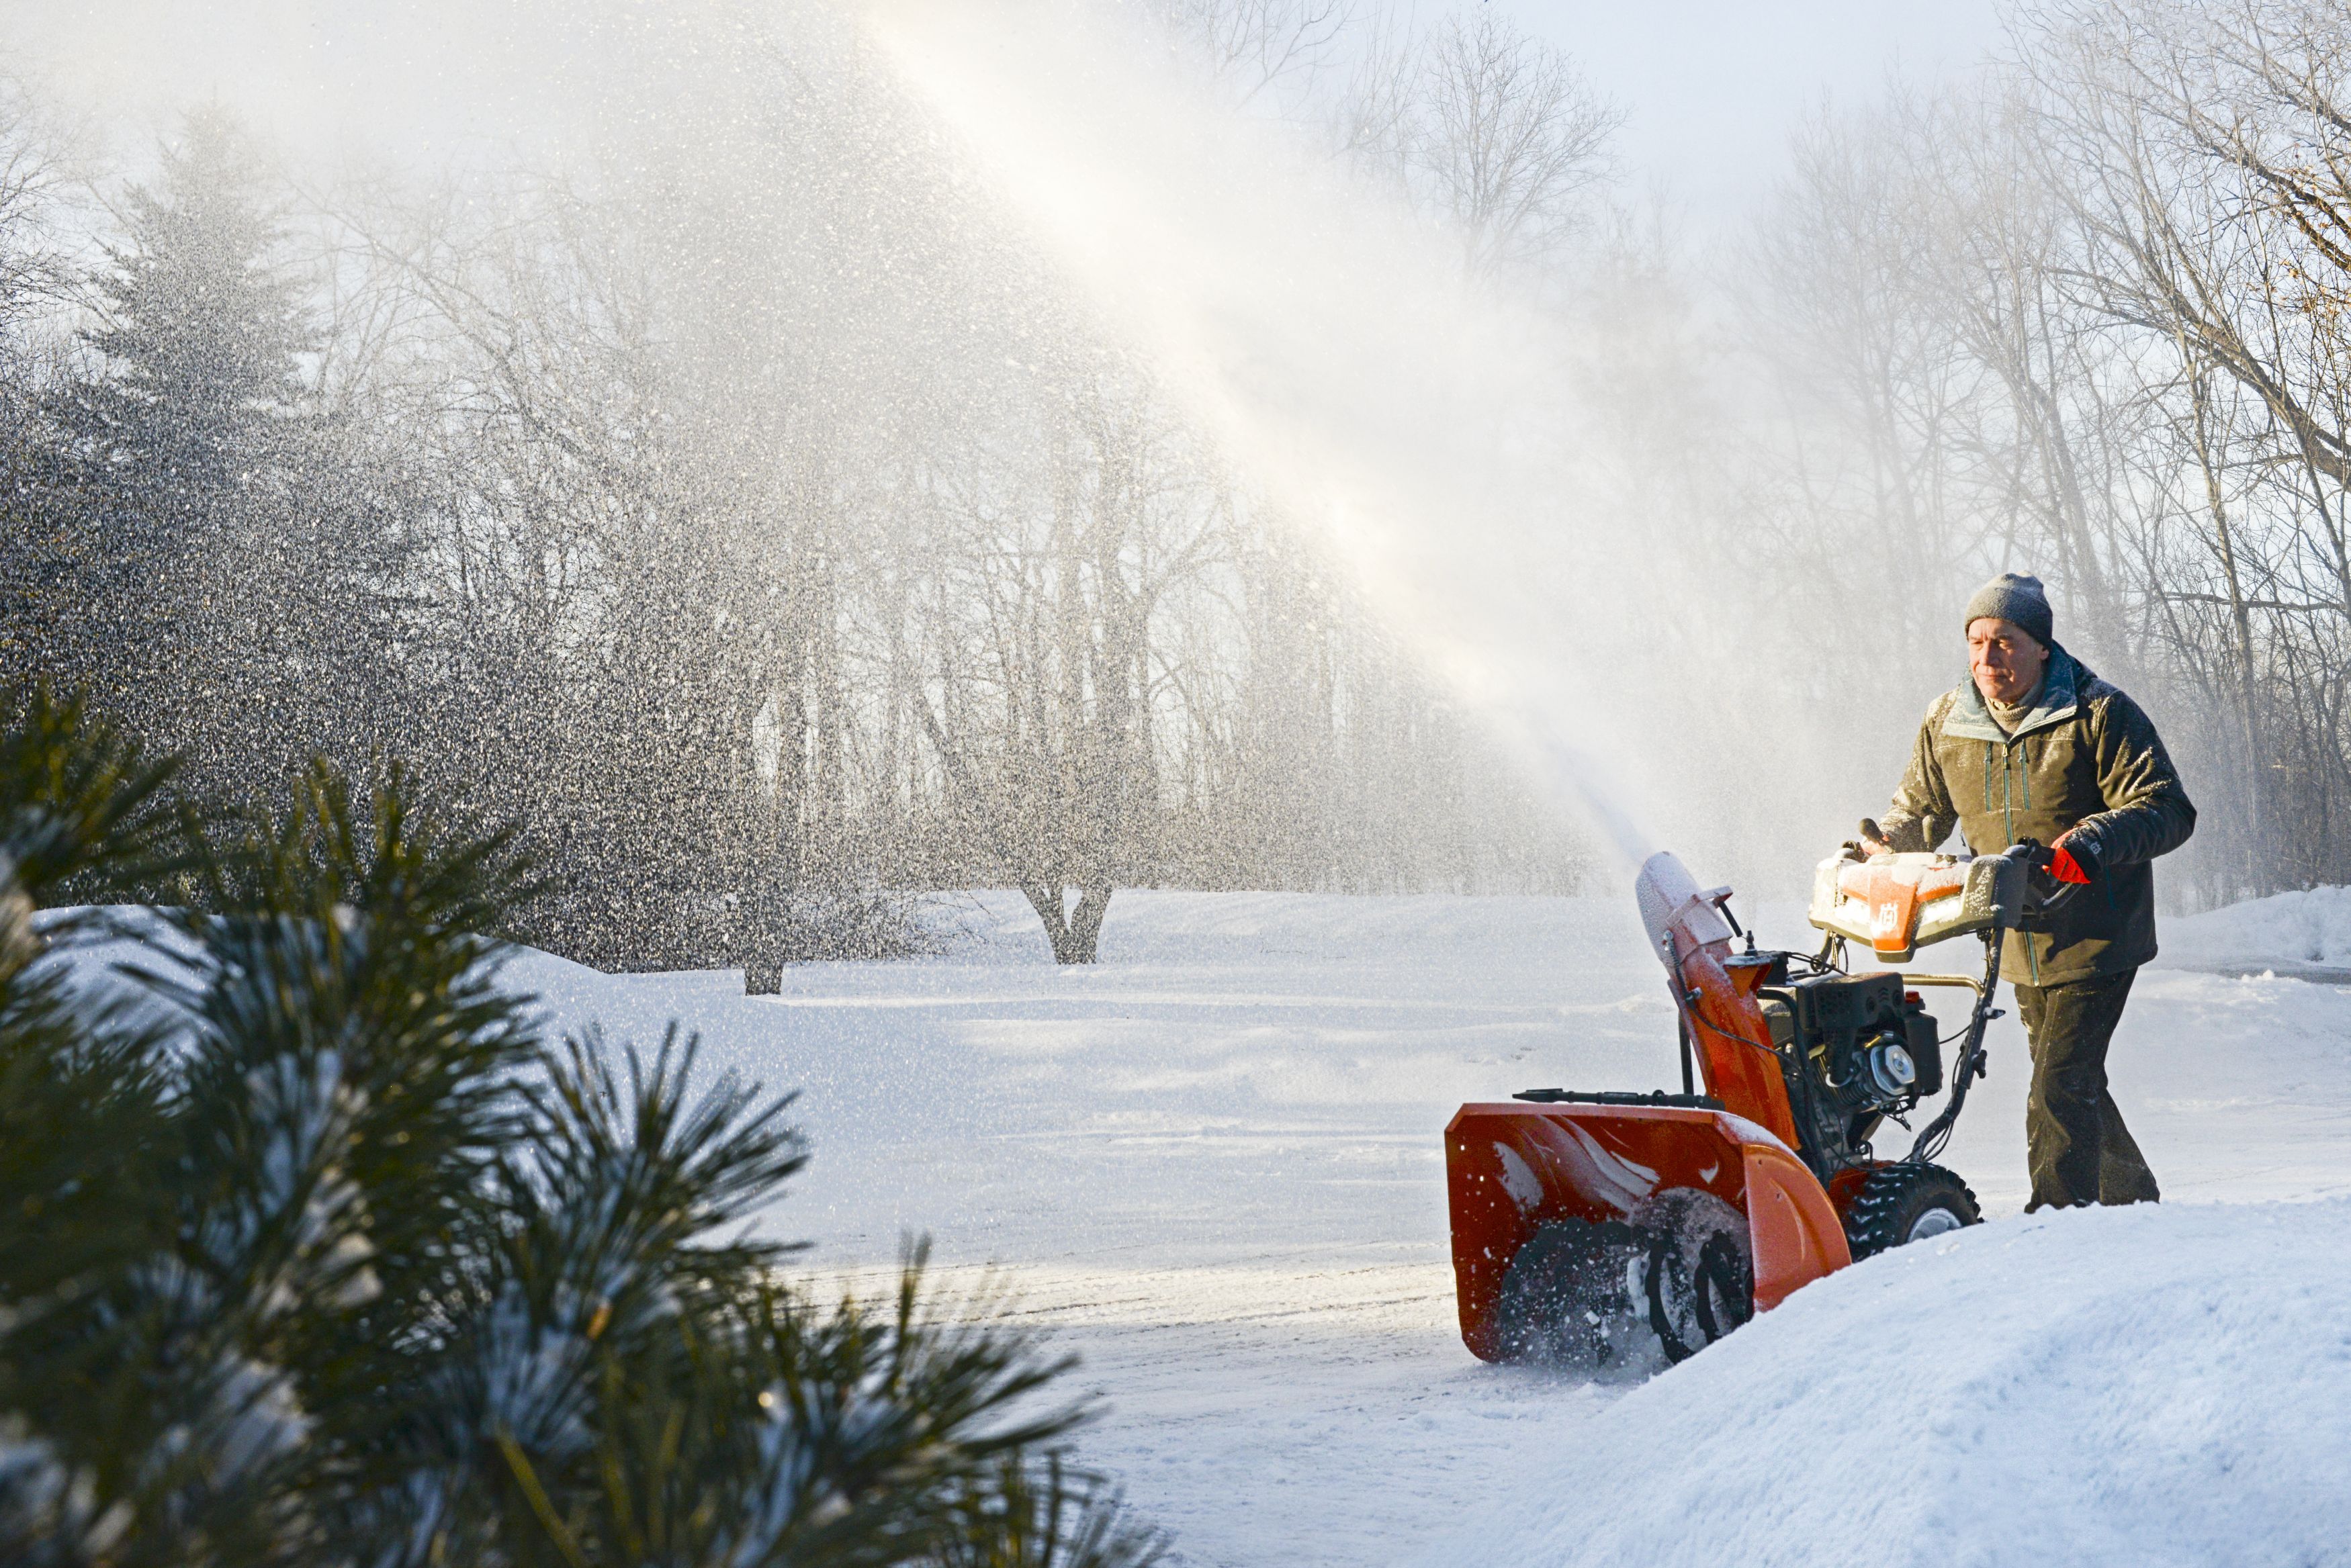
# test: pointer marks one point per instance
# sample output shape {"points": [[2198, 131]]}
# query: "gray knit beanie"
{"points": [[2014, 599]]}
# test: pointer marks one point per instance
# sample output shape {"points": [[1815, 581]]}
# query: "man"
{"points": [[2035, 746]]}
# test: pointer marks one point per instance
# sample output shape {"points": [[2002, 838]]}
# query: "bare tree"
{"points": [[1509, 139], [2200, 155], [37, 563], [1259, 47], [1045, 717]]}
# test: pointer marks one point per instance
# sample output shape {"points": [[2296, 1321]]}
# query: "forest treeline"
{"points": [[740, 509], [2083, 313], [738, 504]]}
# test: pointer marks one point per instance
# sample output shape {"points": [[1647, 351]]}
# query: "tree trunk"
{"points": [[1086, 924], [2241, 624], [763, 972], [1075, 935]]}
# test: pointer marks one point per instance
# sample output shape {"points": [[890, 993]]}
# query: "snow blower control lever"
{"points": [[1607, 1227]]}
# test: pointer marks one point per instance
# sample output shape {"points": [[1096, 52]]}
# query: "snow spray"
{"points": [[1334, 347]]}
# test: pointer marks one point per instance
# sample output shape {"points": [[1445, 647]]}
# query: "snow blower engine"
{"points": [[1604, 1229]]}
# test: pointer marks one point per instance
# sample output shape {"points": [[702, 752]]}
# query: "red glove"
{"points": [[2065, 868]]}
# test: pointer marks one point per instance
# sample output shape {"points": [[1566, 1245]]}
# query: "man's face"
{"points": [[2005, 658]]}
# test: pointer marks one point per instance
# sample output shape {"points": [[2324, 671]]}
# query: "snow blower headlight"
{"points": [[1892, 1073]]}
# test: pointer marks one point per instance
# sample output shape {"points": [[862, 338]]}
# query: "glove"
{"points": [[2072, 861]]}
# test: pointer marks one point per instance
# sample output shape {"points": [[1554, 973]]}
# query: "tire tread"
{"points": [[1891, 1201]]}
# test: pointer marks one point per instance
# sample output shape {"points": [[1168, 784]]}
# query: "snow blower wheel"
{"points": [[1690, 1308], [1577, 1296], [1903, 1203], [1700, 1283], [1590, 1294]]}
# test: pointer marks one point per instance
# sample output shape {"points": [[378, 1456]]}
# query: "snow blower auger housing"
{"points": [[1606, 1229]]}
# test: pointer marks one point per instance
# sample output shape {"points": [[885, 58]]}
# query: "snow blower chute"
{"points": [[1601, 1229]]}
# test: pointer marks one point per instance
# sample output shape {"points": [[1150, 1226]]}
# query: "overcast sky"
{"points": [[1712, 86]]}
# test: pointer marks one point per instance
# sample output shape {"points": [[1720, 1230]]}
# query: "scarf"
{"points": [[2009, 715]]}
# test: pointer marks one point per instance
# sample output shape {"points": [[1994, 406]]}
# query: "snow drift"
{"points": [[2144, 1386], [2287, 929]]}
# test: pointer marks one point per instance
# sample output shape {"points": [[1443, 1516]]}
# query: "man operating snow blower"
{"points": [[1612, 1228], [2035, 747]]}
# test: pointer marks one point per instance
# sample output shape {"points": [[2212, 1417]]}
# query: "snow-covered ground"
{"points": [[1213, 1165]]}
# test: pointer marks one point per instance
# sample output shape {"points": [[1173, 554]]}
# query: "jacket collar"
{"points": [[1970, 720]]}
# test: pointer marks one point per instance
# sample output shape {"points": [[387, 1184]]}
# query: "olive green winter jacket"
{"points": [[2086, 759]]}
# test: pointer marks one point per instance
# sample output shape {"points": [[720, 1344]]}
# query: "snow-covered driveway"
{"points": [[1213, 1164]]}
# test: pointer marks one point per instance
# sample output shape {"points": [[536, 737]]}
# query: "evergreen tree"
{"points": [[231, 562], [200, 332], [312, 1250]]}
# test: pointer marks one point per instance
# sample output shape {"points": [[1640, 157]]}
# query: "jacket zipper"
{"points": [[2008, 819]]}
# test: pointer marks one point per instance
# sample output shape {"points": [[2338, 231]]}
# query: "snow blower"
{"points": [[1601, 1229]]}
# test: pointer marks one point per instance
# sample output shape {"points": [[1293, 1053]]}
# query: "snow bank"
{"points": [[2287, 929], [2139, 1387]]}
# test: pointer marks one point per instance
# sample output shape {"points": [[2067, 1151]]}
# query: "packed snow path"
{"points": [[1213, 1165]]}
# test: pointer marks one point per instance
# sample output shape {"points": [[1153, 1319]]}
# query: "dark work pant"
{"points": [[2075, 1143]]}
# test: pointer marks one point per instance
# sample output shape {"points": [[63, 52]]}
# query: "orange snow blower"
{"points": [[1605, 1229]]}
